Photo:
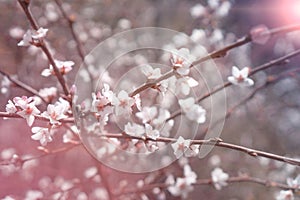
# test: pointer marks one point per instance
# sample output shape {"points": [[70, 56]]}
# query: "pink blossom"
{"points": [[285, 195], [150, 72], [55, 113], [147, 114], [123, 103], [41, 134], [10, 107], [134, 129], [150, 132], [64, 67], [48, 93], [184, 84]]}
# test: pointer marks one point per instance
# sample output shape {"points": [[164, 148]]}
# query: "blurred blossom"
{"points": [[219, 178], [260, 34], [48, 93], [124, 24], [123, 103], [216, 36], [192, 110], [134, 129], [295, 183], [240, 77], [147, 114], [223, 10], [90, 172], [215, 160], [34, 195], [197, 11], [185, 84], [51, 13], [198, 35], [285, 195], [213, 3], [16, 32]]}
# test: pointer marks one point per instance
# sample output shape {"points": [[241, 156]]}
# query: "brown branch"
{"points": [[212, 142], [236, 179], [47, 153], [262, 67], [39, 117], [219, 53], [23, 85], [44, 46]]}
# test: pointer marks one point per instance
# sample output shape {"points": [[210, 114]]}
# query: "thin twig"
{"points": [[44, 47], [23, 85], [212, 142], [236, 179]]}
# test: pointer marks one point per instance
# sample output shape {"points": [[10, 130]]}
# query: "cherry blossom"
{"points": [[123, 103], [180, 146], [181, 60], [63, 66], [33, 37], [55, 113], [198, 10], [41, 134], [285, 195], [192, 111], [294, 182], [184, 84], [183, 185], [10, 107], [25, 107], [48, 93], [219, 178], [151, 73], [147, 114], [240, 77], [150, 132], [134, 129]]}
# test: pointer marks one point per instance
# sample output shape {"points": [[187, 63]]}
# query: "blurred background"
{"points": [[269, 121]]}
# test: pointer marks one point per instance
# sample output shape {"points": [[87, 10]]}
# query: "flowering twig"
{"points": [[237, 179], [23, 85], [47, 153], [212, 142], [217, 54], [262, 67], [71, 20], [39, 117], [44, 47]]}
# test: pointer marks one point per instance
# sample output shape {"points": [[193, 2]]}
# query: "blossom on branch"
{"points": [[181, 61], [183, 185], [41, 134], [180, 146], [184, 84], [134, 129], [25, 107], [240, 77], [192, 111], [63, 66], [150, 72], [33, 37], [123, 103], [147, 114], [219, 178], [285, 195], [150, 132]]}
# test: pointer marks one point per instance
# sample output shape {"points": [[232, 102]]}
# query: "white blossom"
{"points": [[63, 66], [294, 182], [285, 195], [181, 60], [219, 178], [150, 132], [48, 93], [192, 111], [180, 146], [33, 37], [41, 134], [25, 108], [198, 10], [183, 185], [10, 107], [134, 129], [123, 103], [147, 114], [56, 112], [240, 77], [184, 84], [151, 73]]}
